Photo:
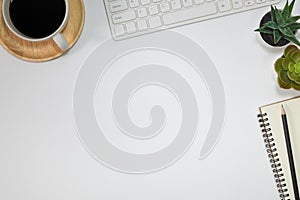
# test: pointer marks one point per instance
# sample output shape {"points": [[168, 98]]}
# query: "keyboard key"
{"points": [[118, 6], [123, 17], [154, 22], [155, 1], [130, 27], [119, 30], [142, 25], [224, 5], [134, 3], [153, 9], [187, 3], [249, 3], [237, 4], [198, 2], [175, 4], [164, 7], [145, 2], [191, 13], [142, 12]]}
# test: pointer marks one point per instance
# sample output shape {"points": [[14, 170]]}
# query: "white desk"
{"points": [[41, 154]]}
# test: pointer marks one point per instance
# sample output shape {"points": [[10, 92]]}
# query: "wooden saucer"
{"points": [[46, 50]]}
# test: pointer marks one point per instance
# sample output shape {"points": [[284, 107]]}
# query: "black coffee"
{"points": [[37, 18]]}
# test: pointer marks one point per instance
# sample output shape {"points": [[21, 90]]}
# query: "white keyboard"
{"points": [[129, 18]]}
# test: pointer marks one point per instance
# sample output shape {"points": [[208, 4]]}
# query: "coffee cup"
{"points": [[37, 20]]}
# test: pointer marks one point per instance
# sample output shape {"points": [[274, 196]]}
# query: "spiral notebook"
{"points": [[273, 134]]}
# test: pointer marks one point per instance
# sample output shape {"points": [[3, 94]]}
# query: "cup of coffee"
{"points": [[37, 20]]}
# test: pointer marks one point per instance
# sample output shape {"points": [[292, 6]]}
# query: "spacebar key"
{"points": [[188, 14]]}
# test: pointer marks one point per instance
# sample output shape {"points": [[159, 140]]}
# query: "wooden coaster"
{"points": [[45, 50]]}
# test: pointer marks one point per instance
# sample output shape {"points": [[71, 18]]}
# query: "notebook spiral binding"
{"points": [[273, 156]]}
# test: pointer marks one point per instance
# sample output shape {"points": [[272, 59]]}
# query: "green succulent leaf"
{"points": [[286, 31], [288, 50], [286, 11], [273, 15], [286, 63], [297, 81], [296, 86], [284, 85], [278, 16], [292, 75], [295, 26], [271, 25], [278, 65], [264, 30], [283, 76], [276, 36], [291, 68], [295, 56], [292, 39], [297, 68], [298, 64], [292, 20], [291, 6]]}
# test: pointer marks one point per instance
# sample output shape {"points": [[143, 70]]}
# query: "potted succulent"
{"points": [[288, 68], [278, 27]]}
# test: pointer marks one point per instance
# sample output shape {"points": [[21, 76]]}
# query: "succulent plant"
{"points": [[282, 24], [288, 68]]}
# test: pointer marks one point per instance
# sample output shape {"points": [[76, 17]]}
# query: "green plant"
{"points": [[288, 68], [282, 24]]}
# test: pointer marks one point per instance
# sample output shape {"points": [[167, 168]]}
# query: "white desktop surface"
{"points": [[41, 156]]}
